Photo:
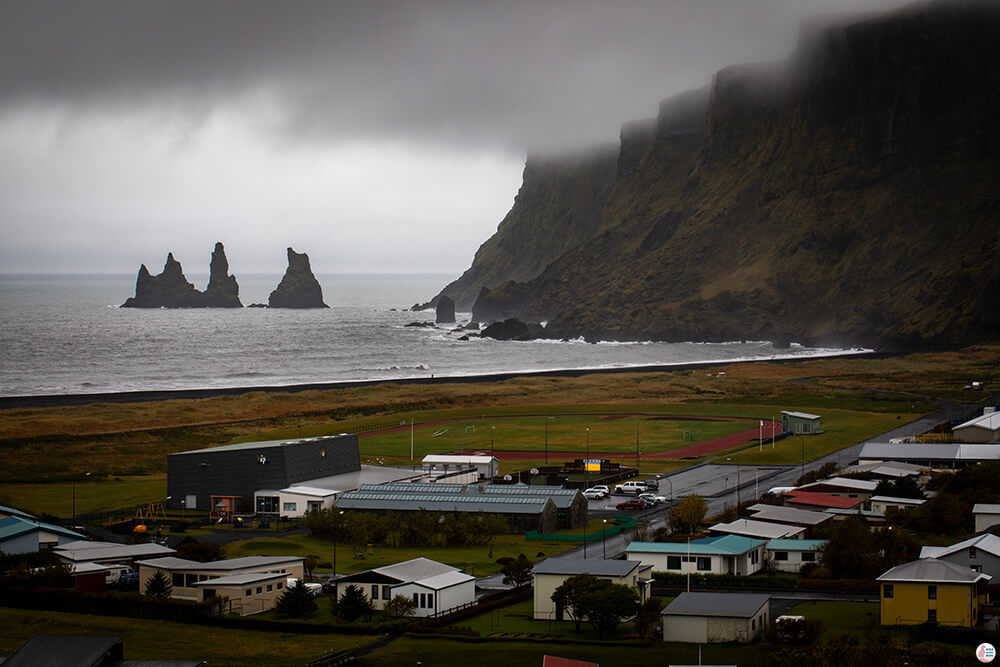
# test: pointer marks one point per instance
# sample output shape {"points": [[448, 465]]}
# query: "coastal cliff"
{"points": [[849, 196], [170, 289]]}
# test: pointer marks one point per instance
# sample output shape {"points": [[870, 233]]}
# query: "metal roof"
{"points": [[415, 569], [795, 545], [14, 526], [444, 580], [726, 605], [454, 458], [800, 415], [113, 552], [934, 571], [987, 542], [844, 482], [885, 451], [310, 491], [897, 500], [794, 515], [722, 545], [985, 508], [612, 568], [264, 444], [226, 565], [66, 651], [990, 422], [762, 529], [822, 499]]}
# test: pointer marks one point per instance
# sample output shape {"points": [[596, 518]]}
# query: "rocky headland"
{"points": [[170, 289]]}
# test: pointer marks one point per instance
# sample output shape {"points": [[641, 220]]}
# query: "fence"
{"points": [[625, 523], [378, 427]]}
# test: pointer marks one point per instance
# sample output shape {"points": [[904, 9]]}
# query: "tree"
{"points": [[400, 606], [905, 487], [606, 605], [687, 515], [352, 604], [295, 602], [567, 595], [848, 552], [648, 615], [158, 586], [517, 572], [203, 552]]}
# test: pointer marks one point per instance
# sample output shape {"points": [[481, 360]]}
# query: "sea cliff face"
{"points": [[848, 196]]}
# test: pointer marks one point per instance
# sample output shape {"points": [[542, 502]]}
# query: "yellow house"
{"points": [[932, 590]]}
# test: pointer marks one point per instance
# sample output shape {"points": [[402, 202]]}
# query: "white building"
{"points": [[552, 572], [791, 555], [440, 464], [879, 504], [986, 515], [709, 618], [984, 428], [725, 554], [436, 588], [295, 501]]}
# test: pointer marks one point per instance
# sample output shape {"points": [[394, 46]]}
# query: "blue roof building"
{"points": [[19, 535], [723, 554]]}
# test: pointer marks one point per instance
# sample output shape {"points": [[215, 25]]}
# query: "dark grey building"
{"points": [[239, 470]]}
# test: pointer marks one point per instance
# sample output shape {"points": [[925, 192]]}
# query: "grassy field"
{"points": [[151, 639], [858, 397], [474, 560]]}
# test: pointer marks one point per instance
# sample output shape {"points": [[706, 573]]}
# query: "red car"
{"points": [[634, 504]]}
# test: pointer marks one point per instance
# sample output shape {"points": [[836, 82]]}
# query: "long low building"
{"points": [[435, 588], [940, 456], [552, 572], [711, 618], [725, 554], [21, 535], [534, 507], [761, 530], [791, 555]]}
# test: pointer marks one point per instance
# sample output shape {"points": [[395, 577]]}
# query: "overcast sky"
{"points": [[374, 136]]}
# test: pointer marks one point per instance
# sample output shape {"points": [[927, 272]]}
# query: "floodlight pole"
{"points": [[546, 441], [604, 544], [411, 439], [585, 484], [637, 444]]}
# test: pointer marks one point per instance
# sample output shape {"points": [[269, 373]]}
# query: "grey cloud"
{"points": [[517, 75]]}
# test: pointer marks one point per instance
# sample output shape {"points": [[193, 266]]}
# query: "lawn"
{"points": [[56, 498], [152, 639], [856, 619], [475, 560]]}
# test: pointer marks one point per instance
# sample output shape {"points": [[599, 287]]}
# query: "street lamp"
{"points": [[586, 458], [637, 444], [671, 490], [336, 528], [74, 497], [604, 545]]}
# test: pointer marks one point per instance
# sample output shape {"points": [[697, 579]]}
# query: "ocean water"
{"points": [[66, 335]]}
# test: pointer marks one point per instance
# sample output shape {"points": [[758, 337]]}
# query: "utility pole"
{"points": [[585, 486], [637, 444], [411, 439]]}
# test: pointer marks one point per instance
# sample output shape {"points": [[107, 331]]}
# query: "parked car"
{"points": [[128, 581], [593, 494], [652, 498], [634, 504], [602, 488], [631, 486]]}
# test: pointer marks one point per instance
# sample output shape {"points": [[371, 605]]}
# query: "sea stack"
{"points": [[299, 287], [445, 312], [170, 289]]}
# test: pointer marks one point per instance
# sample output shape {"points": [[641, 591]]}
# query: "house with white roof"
{"points": [[793, 516], [801, 423], [878, 505], [109, 553], [723, 554], [709, 618], [761, 530], [436, 588], [979, 554], [984, 428], [791, 555], [845, 487], [295, 501], [187, 576], [986, 516]]}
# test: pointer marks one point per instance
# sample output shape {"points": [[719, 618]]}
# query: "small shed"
{"points": [[439, 464], [801, 423], [712, 618], [987, 515]]}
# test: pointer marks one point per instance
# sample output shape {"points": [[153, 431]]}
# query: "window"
{"points": [[374, 594], [288, 507], [673, 562], [385, 592], [278, 585], [249, 592], [704, 563], [190, 580], [976, 568], [780, 555], [269, 588], [430, 600], [177, 580], [887, 591], [932, 615], [260, 589], [415, 599], [972, 552], [808, 556], [932, 592]]}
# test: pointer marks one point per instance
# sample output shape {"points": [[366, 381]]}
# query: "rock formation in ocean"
{"points": [[848, 196], [170, 289], [298, 287], [445, 311], [514, 329]]}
